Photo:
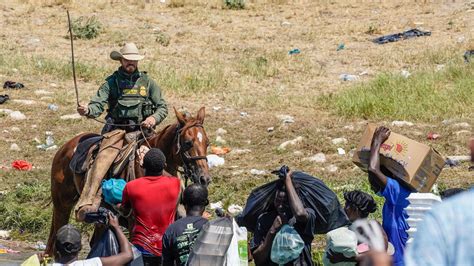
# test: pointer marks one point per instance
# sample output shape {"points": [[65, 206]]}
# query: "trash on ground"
{"points": [[402, 150], [221, 131], [12, 85], [462, 125], [75, 116], [348, 77], [294, 51], [5, 250], [398, 123], [433, 136], [459, 158], [317, 158], [235, 209], [257, 172], [14, 147], [216, 108], [53, 107], [49, 143], [401, 36], [4, 234], [17, 115], [216, 205], [290, 142], [43, 92], [22, 165], [467, 55], [4, 98], [332, 168], [244, 114], [439, 67], [341, 151], [462, 132], [240, 151], [298, 153], [285, 23], [218, 150], [405, 73], [40, 245], [340, 47], [338, 141], [349, 127], [364, 73], [220, 140], [6, 111], [286, 119], [214, 160], [270, 129], [25, 102]]}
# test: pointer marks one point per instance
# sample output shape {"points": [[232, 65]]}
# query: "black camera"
{"points": [[100, 216]]}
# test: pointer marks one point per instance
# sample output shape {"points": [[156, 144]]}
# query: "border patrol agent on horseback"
{"points": [[133, 99]]}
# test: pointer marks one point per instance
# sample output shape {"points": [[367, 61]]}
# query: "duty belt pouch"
{"points": [[148, 109]]}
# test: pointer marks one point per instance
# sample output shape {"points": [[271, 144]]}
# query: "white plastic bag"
{"points": [[237, 254]]}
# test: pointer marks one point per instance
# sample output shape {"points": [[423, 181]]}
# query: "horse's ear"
{"points": [[201, 114], [180, 117]]}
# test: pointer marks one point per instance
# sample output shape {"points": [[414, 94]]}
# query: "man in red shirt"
{"points": [[153, 200]]}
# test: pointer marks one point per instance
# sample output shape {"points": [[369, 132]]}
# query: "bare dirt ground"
{"points": [[230, 61]]}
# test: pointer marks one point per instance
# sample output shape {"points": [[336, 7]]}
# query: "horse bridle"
{"points": [[189, 162]]}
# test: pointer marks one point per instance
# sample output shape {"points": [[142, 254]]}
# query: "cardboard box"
{"points": [[416, 164]]}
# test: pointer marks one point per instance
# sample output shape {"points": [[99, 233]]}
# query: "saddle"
{"points": [[87, 150]]}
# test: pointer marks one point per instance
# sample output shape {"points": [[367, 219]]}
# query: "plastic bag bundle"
{"points": [[211, 245], [112, 190], [108, 246], [313, 193], [287, 245]]}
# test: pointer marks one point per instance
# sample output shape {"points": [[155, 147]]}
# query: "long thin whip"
{"points": [[72, 57]]}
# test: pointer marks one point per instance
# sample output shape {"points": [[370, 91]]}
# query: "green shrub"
{"points": [[235, 4], [86, 27]]}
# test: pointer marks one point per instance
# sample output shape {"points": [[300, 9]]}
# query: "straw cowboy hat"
{"points": [[129, 51]]}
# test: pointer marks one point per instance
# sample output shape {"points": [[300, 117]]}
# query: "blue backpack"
{"points": [[112, 190]]}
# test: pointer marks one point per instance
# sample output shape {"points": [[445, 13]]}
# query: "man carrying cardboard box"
{"points": [[393, 213]]}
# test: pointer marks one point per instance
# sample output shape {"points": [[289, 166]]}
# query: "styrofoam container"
{"points": [[423, 198], [411, 232], [417, 212], [412, 222]]}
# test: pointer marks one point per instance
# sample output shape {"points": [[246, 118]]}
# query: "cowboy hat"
{"points": [[129, 51]]}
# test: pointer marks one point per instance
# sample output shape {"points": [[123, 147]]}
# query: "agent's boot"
{"points": [[108, 151]]}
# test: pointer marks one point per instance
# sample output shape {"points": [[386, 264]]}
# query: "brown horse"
{"points": [[184, 145]]}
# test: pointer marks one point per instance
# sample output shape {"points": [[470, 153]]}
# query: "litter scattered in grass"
{"points": [[427, 96]]}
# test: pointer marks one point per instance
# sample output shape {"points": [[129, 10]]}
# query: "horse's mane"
{"points": [[190, 122]]}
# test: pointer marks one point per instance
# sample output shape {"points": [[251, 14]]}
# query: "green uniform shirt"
{"points": [[128, 95]]}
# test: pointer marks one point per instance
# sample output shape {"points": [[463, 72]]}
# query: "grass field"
{"points": [[233, 61]]}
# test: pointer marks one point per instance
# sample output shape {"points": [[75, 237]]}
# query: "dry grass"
{"points": [[237, 60]]}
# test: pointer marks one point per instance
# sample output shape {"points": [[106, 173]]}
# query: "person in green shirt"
{"points": [[134, 102], [131, 96]]}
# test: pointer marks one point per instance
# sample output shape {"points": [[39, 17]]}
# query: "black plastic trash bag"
{"points": [[313, 193], [108, 246], [401, 36], [212, 243]]}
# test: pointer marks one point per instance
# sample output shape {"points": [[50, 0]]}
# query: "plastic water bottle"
{"points": [[53, 107], [49, 139]]}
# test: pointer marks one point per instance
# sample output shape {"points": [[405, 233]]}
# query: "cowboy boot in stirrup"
{"points": [[109, 149]]}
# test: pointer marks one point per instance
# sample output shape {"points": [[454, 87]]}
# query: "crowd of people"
{"points": [[444, 237]]}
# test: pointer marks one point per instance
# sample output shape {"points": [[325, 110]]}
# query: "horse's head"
{"points": [[192, 146]]}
